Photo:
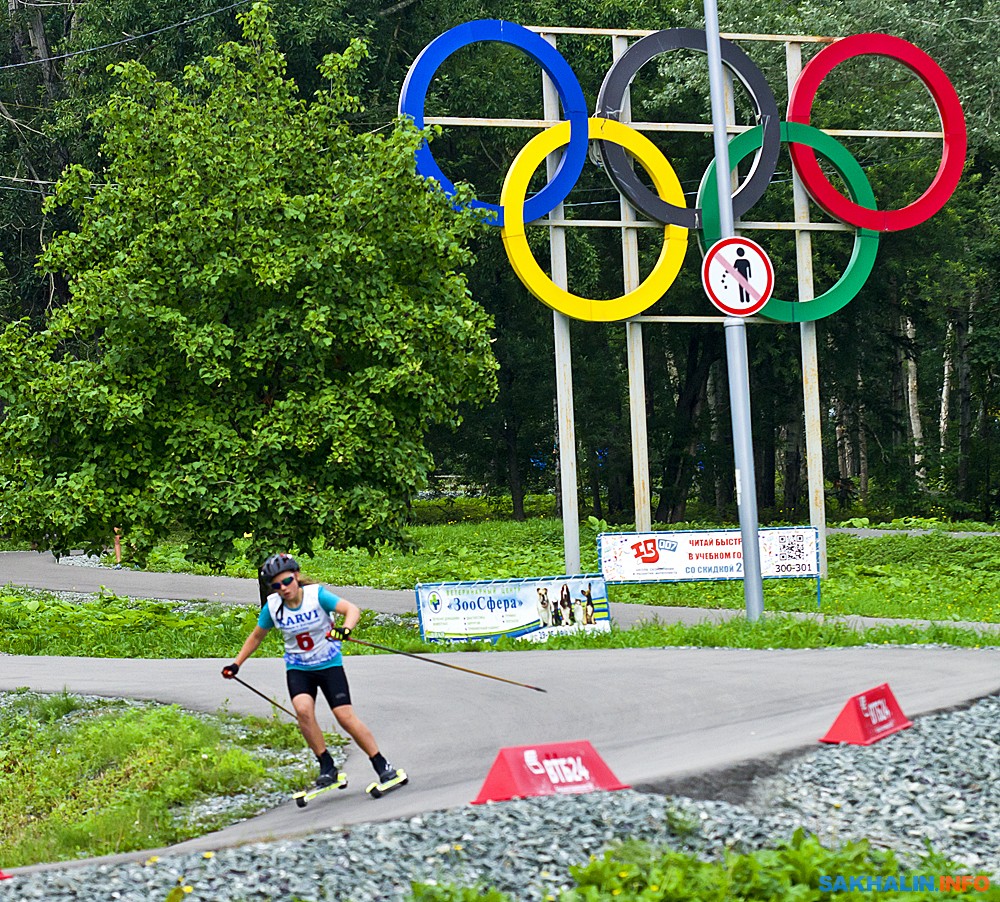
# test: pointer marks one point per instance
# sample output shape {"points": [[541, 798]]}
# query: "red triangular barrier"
{"points": [[542, 770], [4, 876], [867, 718]]}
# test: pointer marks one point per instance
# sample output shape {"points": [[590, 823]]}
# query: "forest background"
{"points": [[908, 369]]}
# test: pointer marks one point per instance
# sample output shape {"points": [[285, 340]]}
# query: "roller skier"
{"points": [[305, 614]]}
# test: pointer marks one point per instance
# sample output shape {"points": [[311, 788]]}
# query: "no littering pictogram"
{"points": [[738, 276]]}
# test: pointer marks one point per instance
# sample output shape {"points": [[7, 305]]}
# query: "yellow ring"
{"points": [[515, 188]]}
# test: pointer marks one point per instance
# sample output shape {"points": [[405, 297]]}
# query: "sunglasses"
{"points": [[287, 581]]}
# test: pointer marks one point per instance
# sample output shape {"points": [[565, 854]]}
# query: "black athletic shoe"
{"points": [[327, 775], [389, 773]]}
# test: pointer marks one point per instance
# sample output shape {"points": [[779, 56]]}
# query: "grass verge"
{"points": [[84, 776], [37, 623], [925, 577]]}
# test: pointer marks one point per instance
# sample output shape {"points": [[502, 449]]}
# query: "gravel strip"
{"points": [[87, 597], [939, 780], [81, 560]]}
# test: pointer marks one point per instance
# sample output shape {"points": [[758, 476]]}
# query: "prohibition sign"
{"points": [[738, 276]]}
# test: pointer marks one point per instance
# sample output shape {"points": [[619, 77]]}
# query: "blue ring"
{"points": [[414, 94]]}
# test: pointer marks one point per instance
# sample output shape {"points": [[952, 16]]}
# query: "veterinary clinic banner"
{"points": [[520, 608], [786, 551]]}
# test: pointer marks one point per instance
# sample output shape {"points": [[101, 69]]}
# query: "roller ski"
{"points": [[307, 795], [391, 778], [328, 779]]}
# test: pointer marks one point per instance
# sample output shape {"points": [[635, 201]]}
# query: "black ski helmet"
{"points": [[278, 563]]}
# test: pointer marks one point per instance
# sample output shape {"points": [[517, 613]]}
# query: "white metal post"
{"points": [[807, 341], [633, 343], [564, 360], [637, 415]]}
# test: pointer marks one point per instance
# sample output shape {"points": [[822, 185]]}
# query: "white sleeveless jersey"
{"points": [[304, 630]]}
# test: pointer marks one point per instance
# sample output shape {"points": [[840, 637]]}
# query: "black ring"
{"points": [[616, 161]]}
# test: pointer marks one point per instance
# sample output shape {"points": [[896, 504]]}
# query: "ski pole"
{"points": [[261, 694], [410, 654]]}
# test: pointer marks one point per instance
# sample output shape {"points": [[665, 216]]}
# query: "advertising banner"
{"points": [[785, 551], [533, 608]]}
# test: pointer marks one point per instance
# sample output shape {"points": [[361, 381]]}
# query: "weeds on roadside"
{"points": [[85, 776], [111, 626], [792, 871]]}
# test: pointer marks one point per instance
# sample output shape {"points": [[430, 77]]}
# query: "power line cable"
{"points": [[137, 37]]}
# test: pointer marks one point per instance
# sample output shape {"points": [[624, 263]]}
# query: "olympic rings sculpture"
{"points": [[616, 142]]}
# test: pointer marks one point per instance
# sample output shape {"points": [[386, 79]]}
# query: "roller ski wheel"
{"points": [[381, 786], [307, 795]]}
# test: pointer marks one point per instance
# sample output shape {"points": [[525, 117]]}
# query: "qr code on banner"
{"points": [[791, 547]]}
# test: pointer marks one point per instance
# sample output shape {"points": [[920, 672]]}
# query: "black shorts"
{"points": [[332, 680]]}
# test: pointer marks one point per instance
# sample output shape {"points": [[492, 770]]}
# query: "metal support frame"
{"points": [[629, 226]]}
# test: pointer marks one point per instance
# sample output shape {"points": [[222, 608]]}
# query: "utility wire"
{"points": [[14, 178], [137, 37]]}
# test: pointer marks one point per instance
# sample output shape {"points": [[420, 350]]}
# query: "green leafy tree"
{"points": [[266, 312]]}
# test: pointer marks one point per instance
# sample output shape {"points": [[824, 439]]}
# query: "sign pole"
{"points": [[736, 338]]}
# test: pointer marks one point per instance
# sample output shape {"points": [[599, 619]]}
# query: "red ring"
{"points": [[952, 124]]}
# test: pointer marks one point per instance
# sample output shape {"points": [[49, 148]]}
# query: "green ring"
{"points": [[860, 190]]}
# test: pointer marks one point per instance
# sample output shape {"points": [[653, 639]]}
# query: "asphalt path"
{"points": [[655, 716]]}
